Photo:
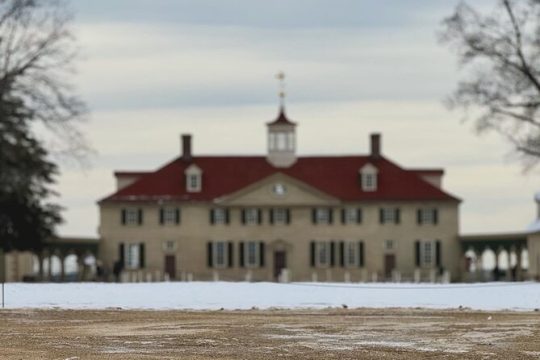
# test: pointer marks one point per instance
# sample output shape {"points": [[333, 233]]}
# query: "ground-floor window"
{"points": [[322, 251], [351, 254], [133, 256], [220, 254]]}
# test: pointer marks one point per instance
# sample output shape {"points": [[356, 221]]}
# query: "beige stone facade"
{"points": [[18, 265], [287, 225]]}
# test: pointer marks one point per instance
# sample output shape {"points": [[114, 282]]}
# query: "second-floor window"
{"points": [[251, 216], [351, 216], [132, 216], [322, 216], [280, 216], [219, 216], [427, 216], [169, 215], [389, 215]]}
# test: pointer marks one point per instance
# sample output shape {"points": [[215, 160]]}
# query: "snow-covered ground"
{"points": [[217, 295]]}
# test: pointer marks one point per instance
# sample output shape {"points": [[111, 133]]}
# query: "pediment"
{"points": [[278, 190]]}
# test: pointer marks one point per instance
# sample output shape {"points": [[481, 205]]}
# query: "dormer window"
{"points": [[193, 179], [368, 178]]}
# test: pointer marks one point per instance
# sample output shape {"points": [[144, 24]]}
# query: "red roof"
{"points": [[336, 176], [282, 118]]}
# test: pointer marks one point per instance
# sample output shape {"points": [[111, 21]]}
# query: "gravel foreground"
{"points": [[270, 334]]}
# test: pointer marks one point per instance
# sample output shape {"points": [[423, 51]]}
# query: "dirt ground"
{"points": [[272, 334]]}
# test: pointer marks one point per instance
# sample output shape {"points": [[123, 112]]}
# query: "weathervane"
{"points": [[281, 77]]}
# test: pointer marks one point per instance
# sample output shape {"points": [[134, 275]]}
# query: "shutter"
{"points": [[312, 253], [288, 214], [241, 253], [243, 216], [210, 254], [227, 216], [123, 217], [314, 216], [332, 253], [419, 216], [435, 216], [177, 215], [212, 216], [261, 254], [259, 216], [438, 253], [358, 216], [140, 216], [121, 255], [342, 254], [417, 253], [398, 216], [141, 256], [161, 216], [360, 254], [272, 216], [230, 253], [381, 216], [330, 216], [343, 213]]}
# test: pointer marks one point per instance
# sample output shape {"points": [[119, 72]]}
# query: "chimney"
{"points": [[375, 145], [186, 147]]}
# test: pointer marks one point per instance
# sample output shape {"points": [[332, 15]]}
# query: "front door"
{"points": [[170, 266], [280, 262], [389, 265]]}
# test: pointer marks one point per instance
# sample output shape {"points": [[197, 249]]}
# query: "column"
{"points": [[62, 258], [519, 270]]}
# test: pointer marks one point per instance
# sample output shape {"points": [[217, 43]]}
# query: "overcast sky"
{"points": [[151, 70]]}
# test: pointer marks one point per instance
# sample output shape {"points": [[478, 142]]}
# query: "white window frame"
{"points": [[351, 254], [193, 179], [132, 216], [220, 216], [251, 216], [132, 256], [427, 216], [169, 215], [252, 254], [351, 215], [389, 215], [221, 260], [322, 215], [280, 216], [322, 253], [427, 253], [369, 178]]}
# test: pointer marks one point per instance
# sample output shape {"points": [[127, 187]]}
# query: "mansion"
{"points": [[281, 217]]}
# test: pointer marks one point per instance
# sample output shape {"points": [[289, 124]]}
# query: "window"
{"points": [[427, 216], [368, 177], [133, 256], [219, 216], [220, 254], [389, 216], [351, 216], [252, 254], [251, 216], [322, 216], [280, 216], [351, 254], [193, 179], [169, 215], [131, 216], [389, 245], [427, 253], [323, 253], [169, 245], [279, 189]]}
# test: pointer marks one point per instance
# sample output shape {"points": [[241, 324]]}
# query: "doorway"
{"points": [[389, 265], [280, 263], [170, 266]]}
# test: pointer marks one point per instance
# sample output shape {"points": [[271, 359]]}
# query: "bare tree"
{"points": [[37, 50], [500, 52]]}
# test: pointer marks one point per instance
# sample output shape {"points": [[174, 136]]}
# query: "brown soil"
{"points": [[272, 334]]}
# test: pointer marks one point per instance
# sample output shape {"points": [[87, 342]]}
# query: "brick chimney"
{"points": [[375, 145], [186, 147]]}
